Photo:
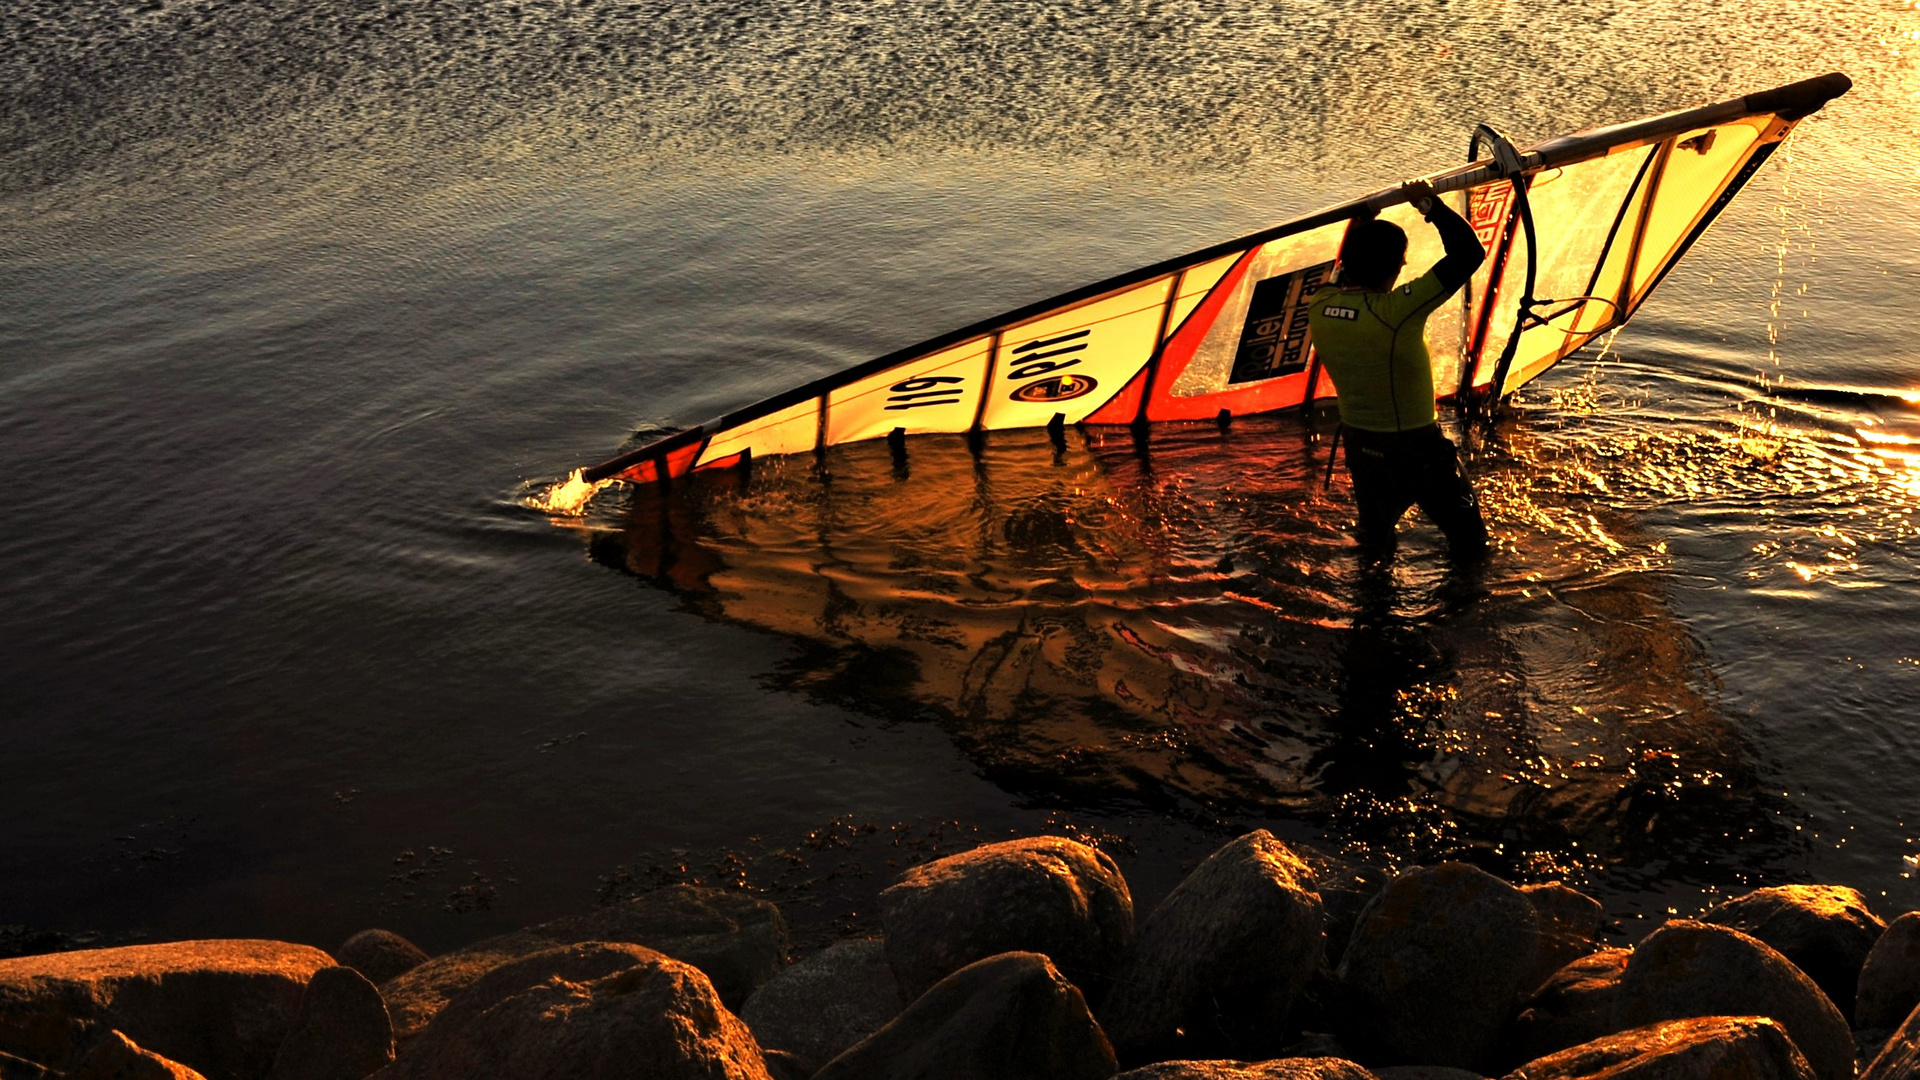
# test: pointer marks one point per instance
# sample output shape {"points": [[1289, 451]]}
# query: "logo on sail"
{"points": [[1057, 388]]}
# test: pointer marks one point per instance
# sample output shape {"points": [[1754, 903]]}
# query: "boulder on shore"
{"points": [[19, 1068], [1824, 930], [116, 1057], [1312, 1044], [1899, 1059], [657, 1018], [1346, 888], [1008, 1017], [1296, 1068], [380, 955], [782, 1065], [1425, 1072], [342, 1031], [1220, 961], [737, 940], [1868, 1045], [581, 962], [1575, 1005], [220, 1007], [1889, 985], [1569, 921], [1691, 969], [820, 1006], [1436, 965], [1045, 894], [1702, 1048]]}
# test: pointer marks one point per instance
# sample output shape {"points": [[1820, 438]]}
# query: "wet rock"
{"points": [[1220, 961], [380, 955], [1867, 1045], [341, 1032], [1317, 1007], [1899, 1059], [1569, 921], [1008, 1017], [1044, 894], [220, 1007], [116, 1057], [1707, 1048], [1425, 1072], [1691, 969], [1889, 985], [1293, 1068], [782, 1065], [1314, 1044], [657, 1018], [1575, 1005], [19, 1068], [498, 967], [824, 1004], [581, 962], [1824, 930], [736, 940], [1436, 964], [1345, 888]]}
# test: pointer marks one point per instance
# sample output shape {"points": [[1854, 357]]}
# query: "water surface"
{"points": [[302, 300]]}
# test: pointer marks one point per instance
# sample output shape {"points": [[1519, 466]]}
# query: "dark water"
{"points": [[302, 301]]}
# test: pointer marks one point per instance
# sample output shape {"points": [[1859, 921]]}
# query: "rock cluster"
{"points": [[1021, 960]]}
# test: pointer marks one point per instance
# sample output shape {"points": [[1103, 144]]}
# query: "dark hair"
{"points": [[1371, 253]]}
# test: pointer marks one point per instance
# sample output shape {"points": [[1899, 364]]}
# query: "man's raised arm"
{"points": [[1464, 253]]}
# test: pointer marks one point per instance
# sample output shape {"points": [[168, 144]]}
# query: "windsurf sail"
{"points": [[1579, 230]]}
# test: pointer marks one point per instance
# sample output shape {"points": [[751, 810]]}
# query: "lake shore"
{"points": [[1025, 958]]}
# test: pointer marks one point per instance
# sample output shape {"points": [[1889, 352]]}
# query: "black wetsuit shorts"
{"points": [[1393, 470]]}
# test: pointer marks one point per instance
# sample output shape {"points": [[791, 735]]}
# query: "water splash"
{"points": [[1782, 248], [569, 497]]}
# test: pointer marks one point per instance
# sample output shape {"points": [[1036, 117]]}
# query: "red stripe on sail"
{"points": [[1257, 397], [678, 463], [1124, 406]]}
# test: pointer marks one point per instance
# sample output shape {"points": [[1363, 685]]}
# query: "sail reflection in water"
{"points": [[1187, 626]]}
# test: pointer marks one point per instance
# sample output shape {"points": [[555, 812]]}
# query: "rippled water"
{"points": [[302, 300]]}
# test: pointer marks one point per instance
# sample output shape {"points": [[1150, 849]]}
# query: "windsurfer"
{"points": [[1371, 337]]}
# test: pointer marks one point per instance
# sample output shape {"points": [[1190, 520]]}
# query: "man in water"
{"points": [[1372, 339]]}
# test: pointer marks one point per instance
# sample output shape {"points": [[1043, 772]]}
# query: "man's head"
{"points": [[1372, 254]]}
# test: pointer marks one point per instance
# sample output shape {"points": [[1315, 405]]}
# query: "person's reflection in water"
{"points": [[1396, 682], [1372, 751]]}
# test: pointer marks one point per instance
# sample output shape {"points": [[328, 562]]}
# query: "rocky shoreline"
{"points": [[1023, 959]]}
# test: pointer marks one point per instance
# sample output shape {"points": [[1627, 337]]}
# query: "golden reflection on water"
{"points": [[1897, 468], [1189, 627], [1185, 625]]}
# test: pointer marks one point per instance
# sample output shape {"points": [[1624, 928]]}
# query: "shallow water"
{"points": [[302, 301]]}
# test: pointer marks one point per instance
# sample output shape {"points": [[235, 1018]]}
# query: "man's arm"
{"points": [[1464, 253]]}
